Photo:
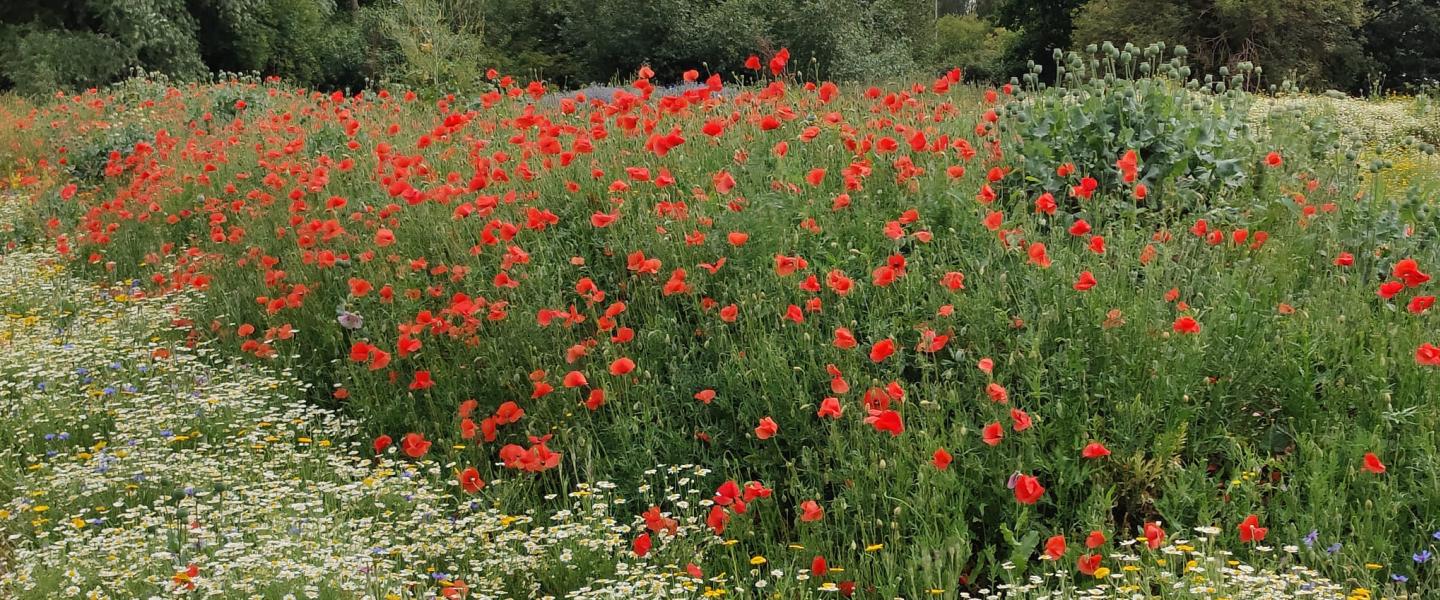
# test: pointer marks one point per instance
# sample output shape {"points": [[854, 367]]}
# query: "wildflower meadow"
{"points": [[1116, 329]]}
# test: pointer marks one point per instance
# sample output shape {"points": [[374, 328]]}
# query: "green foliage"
{"points": [[287, 37], [1043, 25], [1311, 43], [1403, 39], [39, 62], [973, 44], [1192, 136]]}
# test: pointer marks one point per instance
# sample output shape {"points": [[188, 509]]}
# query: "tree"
{"points": [[1043, 25], [1402, 37], [1312, 43]]}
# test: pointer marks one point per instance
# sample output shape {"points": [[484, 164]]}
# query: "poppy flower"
{"points": [[470, 480], [844, 339], [1273, 160], [887, 421], [830, 407], [641, 545], [414, 445], [381, 443], [1038, 256], [766, 429], [1251, 531], [1428, 355], [1088, 564], [1028, 489], [992, 434], [1097, 244], [422, 381], [818, 566], [881, 350], [1345, 259], [1095, 450], [1373, 464], [1055, 547], [811, 512], [986, 365], [1094, 540], [941, 459], [1187, 325], [1154, 534], [1408, 271], [621, 366], [997, 393], [1019, 419], [1086, 281]]}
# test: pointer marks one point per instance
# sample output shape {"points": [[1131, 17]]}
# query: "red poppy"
{"points": [[470, 480], [381, 443], [1187, 325], [766, 429], [1019, 419], [1038, 256], [830, 407], [414, 445], [1154, 534], [992, 434], [1373, 464], [574, 379], [887, 421], [1028, 489], [818, 566], [422, 381], [1055, 547], [881, 350], [1428, 355], [1045, 204], [1094, 540], [1086, 281], [1251, 531], [810, 511], [941, 459], [1408, 271], [1095, 450], [997, 393], [622, 366]]}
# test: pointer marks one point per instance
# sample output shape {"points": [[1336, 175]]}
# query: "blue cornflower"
{"points": [[1421, 556], [1335, 547], [1399, 578], [1311, 537]]}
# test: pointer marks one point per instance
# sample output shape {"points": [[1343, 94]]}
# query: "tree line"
{"points": [[1359, 46]]}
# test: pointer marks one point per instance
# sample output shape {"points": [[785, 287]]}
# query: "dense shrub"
{"points": [[973, 44], [38, 62]]}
